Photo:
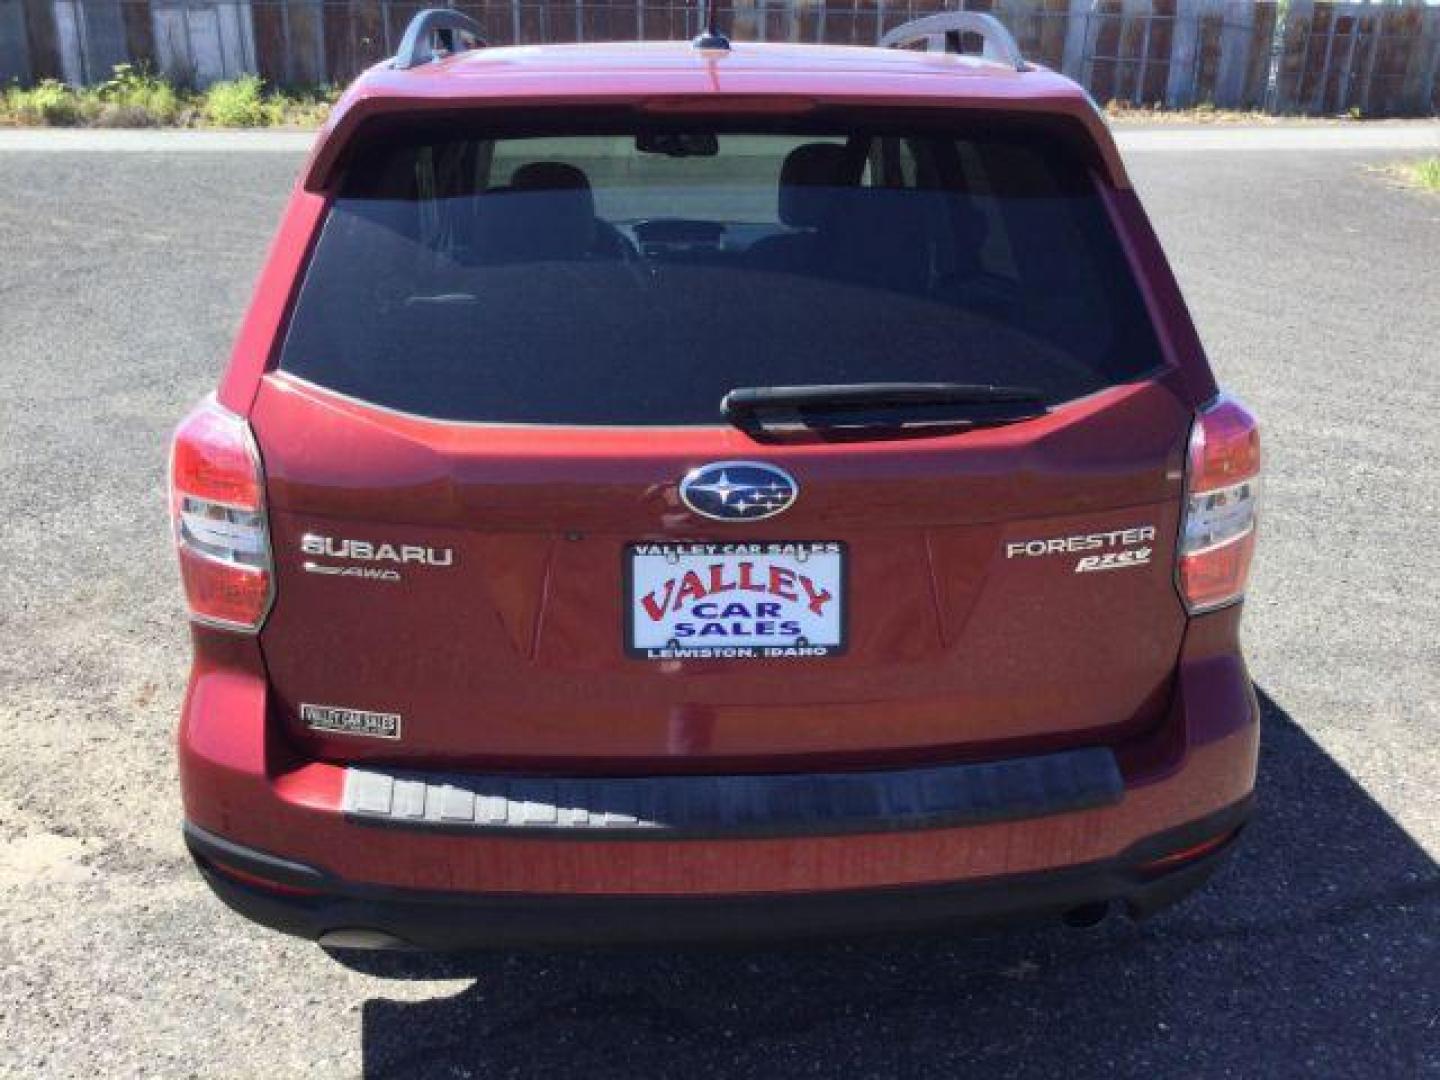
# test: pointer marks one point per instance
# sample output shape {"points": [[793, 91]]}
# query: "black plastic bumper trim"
{"points": [[455, 921], [724, 807]]}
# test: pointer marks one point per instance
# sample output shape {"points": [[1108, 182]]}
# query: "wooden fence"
{"points": [[1310, 56]]}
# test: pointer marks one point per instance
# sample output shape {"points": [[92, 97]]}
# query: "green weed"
{"points": [[1425, 174], [240, 103], [48, 102]]}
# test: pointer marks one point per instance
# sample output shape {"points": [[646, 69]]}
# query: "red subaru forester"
{"points": [[678, 490]]}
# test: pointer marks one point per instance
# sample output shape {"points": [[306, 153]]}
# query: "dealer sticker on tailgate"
{"points": [[723, 601]]}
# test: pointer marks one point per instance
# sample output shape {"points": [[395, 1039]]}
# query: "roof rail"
{"points": [[945, 28], [434, 32]]}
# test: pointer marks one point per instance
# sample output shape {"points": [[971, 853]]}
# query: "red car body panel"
{"points": [[962, 654], [949, 659], [240, 784]]}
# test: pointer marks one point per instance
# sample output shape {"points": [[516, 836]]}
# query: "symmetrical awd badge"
{"points": [[368, 559], [738, 490]]}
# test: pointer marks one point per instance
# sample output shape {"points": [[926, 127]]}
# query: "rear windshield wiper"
{"points": [[877, 410]]}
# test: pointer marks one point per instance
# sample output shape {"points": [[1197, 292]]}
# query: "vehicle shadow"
{"points": [[1314, 952]]}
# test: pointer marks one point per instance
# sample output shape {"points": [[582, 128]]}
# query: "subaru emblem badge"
{"points": [[738, 490]]}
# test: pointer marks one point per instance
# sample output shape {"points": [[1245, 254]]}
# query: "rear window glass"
{"points": [[629, 272]]}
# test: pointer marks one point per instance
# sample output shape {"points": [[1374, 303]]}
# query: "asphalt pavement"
{"points": [[1315, 280]]}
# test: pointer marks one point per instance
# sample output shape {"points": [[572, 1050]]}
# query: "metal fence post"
{"points": [[1303, 14], [1418, 90], [1184, 53], [14, 44], [67, 42], [1077, 30], [1377, 30], [1318, 101], [1234, 59], [1137, 92]]}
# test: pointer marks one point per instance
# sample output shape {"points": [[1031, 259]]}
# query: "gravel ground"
{"points": [[1314, 281]]}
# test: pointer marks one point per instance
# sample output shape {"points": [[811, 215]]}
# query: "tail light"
{"points": [[1222, 484], [217, 505]]}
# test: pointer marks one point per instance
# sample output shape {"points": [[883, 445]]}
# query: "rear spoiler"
{"points": [[347, 123], [394, 86]]}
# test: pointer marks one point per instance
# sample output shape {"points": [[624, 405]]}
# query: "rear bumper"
{"points": [[278, 840], [1150, 876]]}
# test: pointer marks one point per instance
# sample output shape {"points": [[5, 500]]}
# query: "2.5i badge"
{"points": [[735, 601], [333, 718]]}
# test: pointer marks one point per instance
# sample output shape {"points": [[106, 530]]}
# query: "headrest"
{"points": [[552, 176], [813, 165], [546, 212]]}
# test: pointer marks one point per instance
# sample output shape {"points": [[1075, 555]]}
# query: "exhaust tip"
{"points": [[1087, 916], [360, 937]]}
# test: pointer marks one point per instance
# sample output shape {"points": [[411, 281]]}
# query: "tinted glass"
{"points": [[634, 275]]}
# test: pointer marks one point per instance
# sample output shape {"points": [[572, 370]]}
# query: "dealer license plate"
{"points": [[740, 601]]}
